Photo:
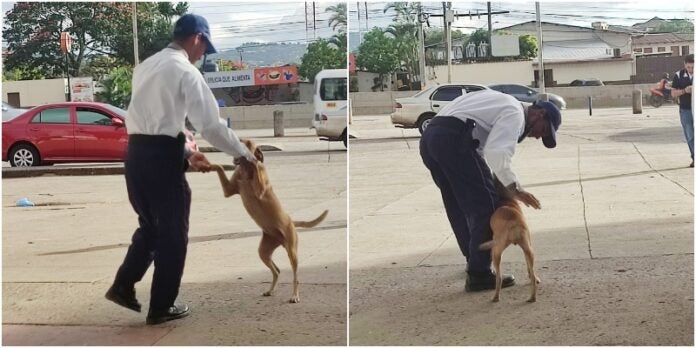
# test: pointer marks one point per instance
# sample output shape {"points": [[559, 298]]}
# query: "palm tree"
{"points": [[405, 31], [338, 18]]}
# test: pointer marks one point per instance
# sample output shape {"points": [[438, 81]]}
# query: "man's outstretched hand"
{"points": [[199, 162], [528, 199]]}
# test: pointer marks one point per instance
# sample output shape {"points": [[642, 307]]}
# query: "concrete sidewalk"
{"points": [[60, 257], [613, 241]]}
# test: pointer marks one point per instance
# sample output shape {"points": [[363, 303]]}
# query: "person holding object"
{"points": [[682, 85], [167, 88], [476, 126]]}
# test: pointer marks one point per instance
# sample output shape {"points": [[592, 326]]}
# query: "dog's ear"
{"points": [[258, 154]]}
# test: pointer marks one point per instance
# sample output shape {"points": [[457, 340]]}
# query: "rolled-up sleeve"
{"points": [[203, 112], [500, 147]]}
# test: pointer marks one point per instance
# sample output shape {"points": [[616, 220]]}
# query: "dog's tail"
{"points": [[487, 245], [313, 222]]}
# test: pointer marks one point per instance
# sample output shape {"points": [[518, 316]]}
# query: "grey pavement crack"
{"points": [[584, 207], [658, 171]]}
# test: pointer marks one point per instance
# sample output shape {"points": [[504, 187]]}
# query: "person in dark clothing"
{"points": [[681, 88]]}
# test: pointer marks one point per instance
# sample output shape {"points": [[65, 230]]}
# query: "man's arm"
{"points": [[204, 114]]}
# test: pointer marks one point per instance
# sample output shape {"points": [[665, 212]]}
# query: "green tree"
{"points": [[528, 46], [321, 55], [404, 29], [676, 26], [32, 33], [437, 36], [378, 54], [23, 73], [338, 17], [117, 87], [480, 35]]}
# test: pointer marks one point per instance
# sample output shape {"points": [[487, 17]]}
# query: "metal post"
{"points": [[637, 101], [278, 129], [421, 47], [589, 102], [359, 25], [449, 41], [67, 75], [136, 59], [542, 84]]}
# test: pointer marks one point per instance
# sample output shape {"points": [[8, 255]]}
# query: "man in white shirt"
{"points": [[483, 124], [167, 88]]}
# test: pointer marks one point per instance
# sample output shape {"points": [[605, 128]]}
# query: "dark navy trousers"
{"points": [[160, 195], [449, 151]]}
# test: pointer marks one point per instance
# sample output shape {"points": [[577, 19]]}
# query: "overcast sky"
{"points": [[565, 12], [233, 23]]}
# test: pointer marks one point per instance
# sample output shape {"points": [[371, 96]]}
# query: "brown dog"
{"points": [[250, 180], [509, 227]]}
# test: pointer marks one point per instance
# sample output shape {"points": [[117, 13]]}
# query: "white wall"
{"points": [[366, 81], [606, 70], [36, 92], [261, 116], [667, 46], [553, 32], [487, 73]]}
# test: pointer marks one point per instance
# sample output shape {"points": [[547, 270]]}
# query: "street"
{"points": [[613, 240], [60, 257]]}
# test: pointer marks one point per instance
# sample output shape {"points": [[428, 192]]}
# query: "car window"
{"points": [[447, 93], [499, 88], [518, 89], [56, 115], [470, 89], [93, 117], [333, 89]]}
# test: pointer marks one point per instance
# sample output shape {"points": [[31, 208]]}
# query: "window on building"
{"points": [[685, 50], [638, 50], [648, 50], [661, 49], [675, 50]]}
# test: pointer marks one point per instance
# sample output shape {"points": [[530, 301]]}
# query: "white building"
{"points": [[670, 44]]}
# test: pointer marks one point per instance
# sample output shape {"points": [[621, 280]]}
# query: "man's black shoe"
{"points": [[691, 165], [176, 311], [486, 281], [123, 297]]}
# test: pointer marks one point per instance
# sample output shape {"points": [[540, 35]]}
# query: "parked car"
{"points": [[67, 132], [526, 94], [418, 110], [586, 82], [9, 112]]}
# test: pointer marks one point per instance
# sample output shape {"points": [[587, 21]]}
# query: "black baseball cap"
{"points": [[190, 24], [553, 116]]}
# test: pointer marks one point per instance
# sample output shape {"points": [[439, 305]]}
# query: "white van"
{"points": [[331, 105]]}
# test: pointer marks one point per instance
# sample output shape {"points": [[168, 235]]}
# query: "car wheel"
{"points": [[424, 121], [24, 155]]}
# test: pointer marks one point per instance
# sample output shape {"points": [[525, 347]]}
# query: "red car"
{"points": [[67, 132]]}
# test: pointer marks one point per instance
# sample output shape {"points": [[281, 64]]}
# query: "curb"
{"points": [[265, 148]]}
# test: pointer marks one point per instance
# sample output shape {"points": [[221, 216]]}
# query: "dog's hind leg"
{"points": [[496, 255], [291, 247], [529, 256], [266, 248]]}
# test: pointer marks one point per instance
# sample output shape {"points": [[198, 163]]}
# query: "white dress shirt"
{"points": [[166, 89], [500, 120]]}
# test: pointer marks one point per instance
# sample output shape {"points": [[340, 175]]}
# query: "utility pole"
{"points": [[367, 24], [136, 58], [447, 18], [314, 18], [421, 47], [542, 86], [359, 25], [490, 30]]}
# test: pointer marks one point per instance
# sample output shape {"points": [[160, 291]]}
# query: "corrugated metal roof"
{"points": [[577, 50], [649, 39]]}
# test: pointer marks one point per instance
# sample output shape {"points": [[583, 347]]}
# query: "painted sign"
{"points": [[275, 75], [236, 78], [81, 89], [256, 77]]}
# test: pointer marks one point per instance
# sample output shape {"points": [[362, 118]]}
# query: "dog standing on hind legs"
{"points": [[250, 181], [510, 227]]}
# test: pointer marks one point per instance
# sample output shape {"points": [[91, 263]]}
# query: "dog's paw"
{"points": [[537, 280], [294, 299], [533, 299], [268, 293], [495, 299]]}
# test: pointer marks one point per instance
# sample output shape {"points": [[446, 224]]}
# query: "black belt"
{"points": [[454, 123], [156, 140]]}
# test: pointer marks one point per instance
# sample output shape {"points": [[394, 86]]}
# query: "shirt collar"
{"points": [[177, 47]]}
